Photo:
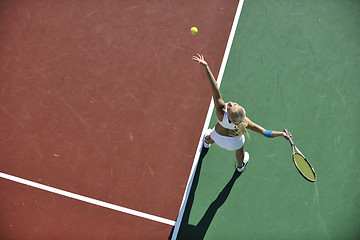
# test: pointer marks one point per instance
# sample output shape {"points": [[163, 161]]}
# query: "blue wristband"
{"points": [[267, 133]]}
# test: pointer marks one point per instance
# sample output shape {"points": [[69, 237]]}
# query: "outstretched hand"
{"points": [[200, 58], [286, 136]]}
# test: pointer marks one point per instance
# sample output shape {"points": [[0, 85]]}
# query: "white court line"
{"points": [[207, 122], [196, 158], [87, 199]]}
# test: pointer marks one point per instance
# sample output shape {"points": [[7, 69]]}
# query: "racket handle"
{"points": [[289, 138]]}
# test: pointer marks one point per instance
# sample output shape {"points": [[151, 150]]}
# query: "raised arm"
{"points": [[219, 102]]}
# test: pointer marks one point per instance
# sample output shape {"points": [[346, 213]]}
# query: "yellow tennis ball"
{"points": [[194, 30]]}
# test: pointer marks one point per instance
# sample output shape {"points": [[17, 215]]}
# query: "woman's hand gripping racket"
{"points": [[300, 161]]}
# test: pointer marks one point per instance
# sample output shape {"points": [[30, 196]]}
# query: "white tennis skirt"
{"points": [[228, 143]]}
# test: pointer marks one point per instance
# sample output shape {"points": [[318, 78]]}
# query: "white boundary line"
{"points": [[87, 199], [188, 187], [207, 122]]}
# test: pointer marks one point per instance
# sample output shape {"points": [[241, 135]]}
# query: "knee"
{"points": [[208, 139], [240, 153]]}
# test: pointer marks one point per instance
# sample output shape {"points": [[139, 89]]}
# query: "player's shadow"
{"points": [[188, 231]]}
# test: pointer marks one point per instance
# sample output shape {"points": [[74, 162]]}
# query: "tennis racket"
{"points": [[302, 165]]}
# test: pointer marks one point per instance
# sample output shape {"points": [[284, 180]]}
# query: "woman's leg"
{"points": [[240, 156], [209, 140]]}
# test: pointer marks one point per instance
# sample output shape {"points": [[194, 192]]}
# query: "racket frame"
{"points": [[296, 150]]}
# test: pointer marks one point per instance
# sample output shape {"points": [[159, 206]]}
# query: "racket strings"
{"points": [[304, 167]]}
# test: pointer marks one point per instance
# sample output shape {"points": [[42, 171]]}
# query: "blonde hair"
{"points": [[237, 118]]}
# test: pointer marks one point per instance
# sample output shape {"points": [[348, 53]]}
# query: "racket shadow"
{"points": [[198, 231]]}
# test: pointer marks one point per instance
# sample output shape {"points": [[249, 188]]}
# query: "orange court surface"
{"points": [[99, 99]]}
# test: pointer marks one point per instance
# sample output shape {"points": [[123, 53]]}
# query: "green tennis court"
{"points": [[295, 65]]}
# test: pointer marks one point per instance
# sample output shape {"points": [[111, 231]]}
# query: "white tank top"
{"points": [[225, 122]]}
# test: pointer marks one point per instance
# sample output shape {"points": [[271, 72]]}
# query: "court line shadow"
{"points": [[188, 231]]}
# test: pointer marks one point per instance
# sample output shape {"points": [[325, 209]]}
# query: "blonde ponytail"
{"points": [[238, 119], [240, 130]]}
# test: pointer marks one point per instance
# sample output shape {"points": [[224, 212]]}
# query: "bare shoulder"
{"points": [[247, 120], [253, 126], [220, 104], [250, 124], [220, 108]]}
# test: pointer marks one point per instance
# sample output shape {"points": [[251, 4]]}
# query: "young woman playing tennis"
{"points": [[232, 123]]}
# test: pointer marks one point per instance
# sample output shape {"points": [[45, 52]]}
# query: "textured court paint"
{"points": [[295, 65], [87, 199], [97, 99]]}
